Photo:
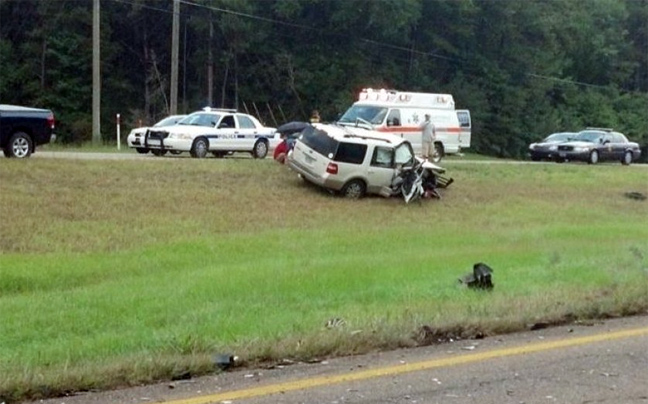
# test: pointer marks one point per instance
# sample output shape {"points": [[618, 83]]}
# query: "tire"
{"points": [[593, 157], [354, 189], [439, 152], [158, 152], [142, 150], [260, 150], [199, 148], [627, 158], [20, 146]]}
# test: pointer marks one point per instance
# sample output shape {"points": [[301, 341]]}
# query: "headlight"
{"points": [[532, 146], [553, 148], [581, 149], [184, 136]]}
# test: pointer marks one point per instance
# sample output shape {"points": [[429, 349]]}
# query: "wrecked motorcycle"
{"points": [[419, 180]]}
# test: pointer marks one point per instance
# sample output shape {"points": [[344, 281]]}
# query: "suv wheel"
{"points": [[354, 189], [627, 158], [260, 149], [158, 152], [199, 148]]}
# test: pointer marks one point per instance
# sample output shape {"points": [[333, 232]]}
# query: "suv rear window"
{"points": [[319, 141], [351, 153]]}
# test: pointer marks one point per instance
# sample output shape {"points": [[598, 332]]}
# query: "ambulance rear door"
{"points": [[465, 125]]}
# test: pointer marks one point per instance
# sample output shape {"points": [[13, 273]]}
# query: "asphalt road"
{"points": [[604, 362], [150, 157]]}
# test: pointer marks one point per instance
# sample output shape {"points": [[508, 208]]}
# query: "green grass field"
{"points": [[115, 273]]}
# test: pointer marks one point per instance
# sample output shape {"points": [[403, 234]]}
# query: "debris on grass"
{"points": [[637, 196], [479, 278], [225, 361]]}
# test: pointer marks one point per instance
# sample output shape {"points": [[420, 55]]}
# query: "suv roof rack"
{"points": [[209, 109], [348, 135], [603, 129]]}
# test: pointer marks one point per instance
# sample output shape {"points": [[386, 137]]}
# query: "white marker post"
{"points": [[118, 134]]}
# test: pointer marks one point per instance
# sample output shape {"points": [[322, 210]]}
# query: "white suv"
{"points": [[351, 160], [219, 131]]}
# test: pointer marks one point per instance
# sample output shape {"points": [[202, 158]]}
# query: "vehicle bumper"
{"points": [[571, 155], [325, 181], [168, 144]]}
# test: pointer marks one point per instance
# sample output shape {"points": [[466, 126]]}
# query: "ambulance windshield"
{"points": [[372, 114]]}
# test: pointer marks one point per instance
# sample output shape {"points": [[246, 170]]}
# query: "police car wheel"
{"points": [[199, 148], [593, 157], [142, 150], [260, 149]]}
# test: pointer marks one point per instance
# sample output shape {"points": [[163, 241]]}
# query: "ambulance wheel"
{"points": [[439, 152]]}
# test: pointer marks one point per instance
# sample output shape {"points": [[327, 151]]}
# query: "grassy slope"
{"points": [[117, 272]]}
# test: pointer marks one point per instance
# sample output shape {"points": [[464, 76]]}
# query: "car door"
{"points": [[226, 134], [606, 147], [247, 132], [380, 172], [619, 145]]}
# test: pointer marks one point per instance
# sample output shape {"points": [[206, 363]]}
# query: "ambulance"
{"points": [[402, 113]]}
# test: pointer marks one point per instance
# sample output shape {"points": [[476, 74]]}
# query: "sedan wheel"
{"points": [[627, 158], [593, 157], [199, 148], [260, 149]]}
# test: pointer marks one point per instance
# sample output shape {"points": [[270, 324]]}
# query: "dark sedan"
{"points": [[546, 149], [594, 145]]}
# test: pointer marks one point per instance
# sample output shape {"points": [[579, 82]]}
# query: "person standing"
{"points": [[315, 116], [428, 136]]}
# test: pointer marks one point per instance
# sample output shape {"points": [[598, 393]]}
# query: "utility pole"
{"points": [[175, 41], [210, 64], [96, 76]]}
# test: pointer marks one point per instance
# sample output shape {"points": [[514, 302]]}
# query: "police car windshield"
{"points": [[200, 119], [371, 114], [588, 136]]}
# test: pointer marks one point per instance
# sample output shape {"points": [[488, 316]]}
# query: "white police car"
{"points": [[135, 138], [219, 131]]}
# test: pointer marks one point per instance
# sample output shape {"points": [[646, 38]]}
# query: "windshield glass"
{"points": [[200, 119], [592, 137], [403, 154], [559, 137], [168, 121], [371, 114]]}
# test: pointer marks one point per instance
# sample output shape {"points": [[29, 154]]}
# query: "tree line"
{"points": [[525, 68]]}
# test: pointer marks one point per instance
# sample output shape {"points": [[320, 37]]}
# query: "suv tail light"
{"points": [[50, 120], [332, 168]]}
